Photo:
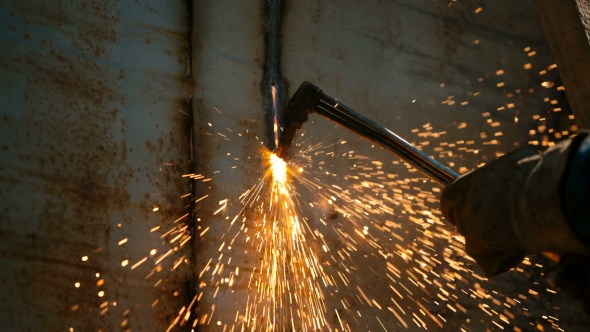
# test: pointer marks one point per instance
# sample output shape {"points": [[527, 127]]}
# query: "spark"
{"points": [[139, 263]]}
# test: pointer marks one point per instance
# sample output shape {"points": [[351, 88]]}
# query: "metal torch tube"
{"points": [[348, 118]]}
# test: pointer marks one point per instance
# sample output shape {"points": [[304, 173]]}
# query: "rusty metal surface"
{"points": [[92, 139]]}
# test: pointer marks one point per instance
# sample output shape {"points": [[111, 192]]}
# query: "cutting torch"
{"points": [[311, 99]]}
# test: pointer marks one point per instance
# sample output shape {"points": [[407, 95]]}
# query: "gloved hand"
{"points": [[513, 205], [479, 205]]}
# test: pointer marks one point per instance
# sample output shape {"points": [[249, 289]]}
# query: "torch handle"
{"points": [[343, 115]]}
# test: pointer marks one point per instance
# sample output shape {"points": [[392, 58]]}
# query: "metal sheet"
{"points": [[93, 138], [229, 125], [450, 77]]}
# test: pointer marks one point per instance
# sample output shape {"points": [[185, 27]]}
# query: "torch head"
{"points": [[303, 102], [287, 136]]}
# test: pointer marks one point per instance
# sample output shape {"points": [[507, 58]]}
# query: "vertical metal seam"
{"points": [[271, 27], [192, 282]]}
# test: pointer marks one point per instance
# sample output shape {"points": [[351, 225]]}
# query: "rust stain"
{"points": [[94, 21], [64, 140], [64, 166]]}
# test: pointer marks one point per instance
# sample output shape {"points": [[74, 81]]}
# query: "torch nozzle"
{"points": [[287, 137], [300, 105]]}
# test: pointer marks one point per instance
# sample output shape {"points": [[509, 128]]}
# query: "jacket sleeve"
{"points": [[539, 206], [576, 188]]}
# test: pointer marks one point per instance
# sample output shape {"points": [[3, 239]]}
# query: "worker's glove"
{"points": [[513, 205], [478, 204]]}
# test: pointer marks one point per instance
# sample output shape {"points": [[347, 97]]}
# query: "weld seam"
{"points": [[272, 24]]}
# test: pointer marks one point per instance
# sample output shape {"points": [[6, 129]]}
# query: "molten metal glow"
{"points": [[278, 168], [275, 112]]}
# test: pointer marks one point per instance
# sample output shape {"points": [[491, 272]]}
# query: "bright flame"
{"points": [[278, 167]]}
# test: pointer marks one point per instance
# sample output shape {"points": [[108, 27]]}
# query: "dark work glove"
{"points": [[516, 204], [479, 205]]}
